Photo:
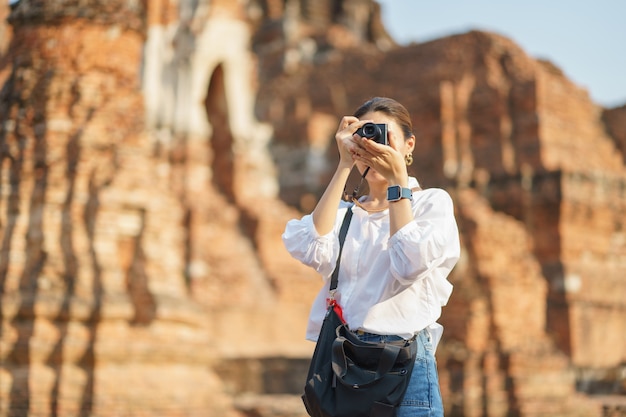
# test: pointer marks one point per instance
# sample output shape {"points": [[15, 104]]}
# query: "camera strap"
{"points": [[355, 192]]}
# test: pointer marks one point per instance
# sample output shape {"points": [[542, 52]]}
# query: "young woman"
{"points": [[401, 245]]}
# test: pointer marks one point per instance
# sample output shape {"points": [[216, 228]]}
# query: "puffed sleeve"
{"points": [[422, 254], [317, 251], [428, 244]]}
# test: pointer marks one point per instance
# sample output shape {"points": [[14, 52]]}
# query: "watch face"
{"points": [[393, 193]]}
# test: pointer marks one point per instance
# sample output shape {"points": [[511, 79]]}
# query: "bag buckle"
{"points": [[330, 301]]}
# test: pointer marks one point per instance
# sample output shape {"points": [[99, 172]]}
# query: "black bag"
{"points": [[349, 377]]}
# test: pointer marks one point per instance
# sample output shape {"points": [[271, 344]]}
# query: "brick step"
{"points": [[270, 405], [264, 375], [612, 405]]}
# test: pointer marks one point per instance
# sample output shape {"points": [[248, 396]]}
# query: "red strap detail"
{"points": [[339, 312], [337, 308]]}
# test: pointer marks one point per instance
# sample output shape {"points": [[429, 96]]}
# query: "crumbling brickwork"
{"points": [[152, 151]]}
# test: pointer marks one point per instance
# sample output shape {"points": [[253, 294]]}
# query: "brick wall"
{"points": [[144, 186]]}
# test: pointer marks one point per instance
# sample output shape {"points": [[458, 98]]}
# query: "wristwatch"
{"points": [[397, 193]]}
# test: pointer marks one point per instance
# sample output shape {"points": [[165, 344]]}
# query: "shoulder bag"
{"points": [[348, 377]]}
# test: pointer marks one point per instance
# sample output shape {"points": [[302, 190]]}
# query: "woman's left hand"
{"points": [[387, 160]]}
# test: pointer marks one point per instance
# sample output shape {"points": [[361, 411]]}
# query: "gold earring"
{"points": [[408, 158]]}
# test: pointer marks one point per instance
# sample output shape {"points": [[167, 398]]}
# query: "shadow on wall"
{"points": [[19, 358], [35, 301], [221, 141]]}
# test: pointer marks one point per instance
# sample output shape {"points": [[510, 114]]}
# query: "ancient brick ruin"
{"points": [[151, 152]]}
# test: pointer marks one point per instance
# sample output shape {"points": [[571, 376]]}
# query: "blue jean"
{"points": [[422, 397]]}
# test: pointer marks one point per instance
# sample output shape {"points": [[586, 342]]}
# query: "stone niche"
{"points": [[151, 153]]}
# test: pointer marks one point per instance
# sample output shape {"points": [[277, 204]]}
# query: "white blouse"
{"points": [[386, 285]]}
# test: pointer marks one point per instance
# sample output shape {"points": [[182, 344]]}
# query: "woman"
{"points": [[401, 245]]}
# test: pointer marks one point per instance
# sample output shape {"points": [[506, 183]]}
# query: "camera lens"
{"points": [[369, 130], [372, 131]]}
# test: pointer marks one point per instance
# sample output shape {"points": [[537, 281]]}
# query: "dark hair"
{"points": [[391, 108]]}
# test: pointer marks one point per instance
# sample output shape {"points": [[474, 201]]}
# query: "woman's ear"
{"points": [[409, 144]]}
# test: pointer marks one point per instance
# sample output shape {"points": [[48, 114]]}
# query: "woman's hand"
{"points": [[387, 160], [325, 211], [345, 139]]}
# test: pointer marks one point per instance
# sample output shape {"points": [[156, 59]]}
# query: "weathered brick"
{"points": [[150, 160]]}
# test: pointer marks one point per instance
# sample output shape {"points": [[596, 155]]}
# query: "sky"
{"points": [[585, 38]]}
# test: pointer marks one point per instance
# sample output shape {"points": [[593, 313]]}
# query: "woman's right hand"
{"points": [[325, 212], [344, 138]]}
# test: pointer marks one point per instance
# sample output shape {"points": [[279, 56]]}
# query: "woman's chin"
{"points": [[374, 176]]}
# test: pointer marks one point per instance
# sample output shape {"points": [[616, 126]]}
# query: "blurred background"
{"points": [[152, 151]]}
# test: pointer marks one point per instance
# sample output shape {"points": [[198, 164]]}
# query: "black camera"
{"points": [[375, 132]]}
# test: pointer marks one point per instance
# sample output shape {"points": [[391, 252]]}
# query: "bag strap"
{"points": [[334, 280]]}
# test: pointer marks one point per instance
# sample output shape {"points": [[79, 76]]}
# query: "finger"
{"points": [[346, 122], [372, 146], [356, 126], [362, 154]]}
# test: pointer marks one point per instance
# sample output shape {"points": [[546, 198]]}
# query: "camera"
{"points": [[375, 132]]}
